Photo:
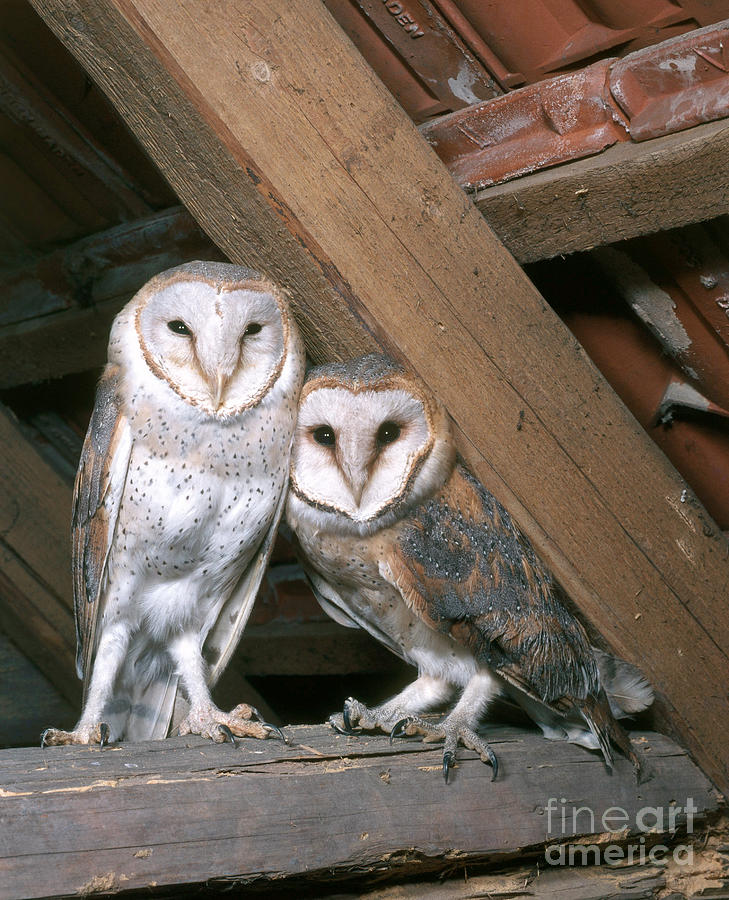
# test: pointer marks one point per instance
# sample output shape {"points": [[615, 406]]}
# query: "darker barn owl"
{"points": [[178, 496], [400, 539]]}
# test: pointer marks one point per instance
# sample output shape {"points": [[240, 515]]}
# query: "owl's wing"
{"points": [[97, 494], [346, 614], [462, 565]]}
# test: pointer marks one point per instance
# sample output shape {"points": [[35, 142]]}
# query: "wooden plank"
{"points": [[36, 605], [703, 876], [164, 813], [294, 158], [57, 312], [627, 190]]}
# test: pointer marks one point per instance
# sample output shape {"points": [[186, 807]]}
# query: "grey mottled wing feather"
{"points": [[465, 568], [97, 494]]}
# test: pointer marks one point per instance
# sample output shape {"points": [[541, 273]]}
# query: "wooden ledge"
{"points": [[185, 811], [628, 190]]}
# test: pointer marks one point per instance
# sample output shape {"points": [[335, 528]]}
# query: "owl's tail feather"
{"points": [[628, 691], [143, 712], [607, 730]]}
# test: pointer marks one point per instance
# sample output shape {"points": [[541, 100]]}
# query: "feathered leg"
{"points": [[90, 729], [204, 717]]}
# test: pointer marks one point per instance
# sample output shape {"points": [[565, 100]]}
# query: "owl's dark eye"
{"points": [[388, 432], [324, 435], [253, 328], [178, 327]]}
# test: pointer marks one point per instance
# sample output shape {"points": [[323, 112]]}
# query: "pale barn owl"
{"points": [[178, 496], [400, 539]]}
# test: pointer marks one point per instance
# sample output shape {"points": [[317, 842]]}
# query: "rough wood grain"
{"points": [[36, 606], [625, 191], [185, 810], [28, 700], [292, 156]]}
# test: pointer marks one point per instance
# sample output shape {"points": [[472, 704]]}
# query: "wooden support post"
{"points": [[295, 159], [186, 811]]}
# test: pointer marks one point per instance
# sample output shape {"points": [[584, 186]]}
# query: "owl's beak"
{"points": [[219, 386], [356, 478]]}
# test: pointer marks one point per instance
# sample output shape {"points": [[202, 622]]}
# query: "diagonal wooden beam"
{"points": [[294, 158]]}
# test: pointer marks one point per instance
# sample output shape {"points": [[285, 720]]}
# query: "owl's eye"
{"points": [[324, 435], [178, 327], [388, 432], [253, 328]]}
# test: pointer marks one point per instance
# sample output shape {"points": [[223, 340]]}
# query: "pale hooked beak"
{"points": [[356, 479], [221, 382]]}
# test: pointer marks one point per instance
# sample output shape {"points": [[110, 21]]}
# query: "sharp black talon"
{"points": [[257, 716], [345, 718], [494, 763], [104, 732], [399, 729], [448, 760], [276, 730], [340, 730], [227, 733], [43, 737]]}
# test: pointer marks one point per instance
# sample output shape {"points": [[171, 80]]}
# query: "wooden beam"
{"points": [[92, 188], [57, 312], [627, 190], [185, 811], [36, 605], [294, 158]]}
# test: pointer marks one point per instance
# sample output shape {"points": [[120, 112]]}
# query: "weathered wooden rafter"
{"points": [[626, 191], [57, 312], [294, 158], [326, 806]]}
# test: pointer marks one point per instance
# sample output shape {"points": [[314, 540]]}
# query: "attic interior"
{"points": [[87, 218]]}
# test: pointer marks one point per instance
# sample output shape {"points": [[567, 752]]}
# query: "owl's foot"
{"points": [[451, 731], [91, 734], [355, 714], [243, 721]]}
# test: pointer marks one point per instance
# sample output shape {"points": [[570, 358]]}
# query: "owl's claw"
{"points": [[338, 728], [43, 737], [227, 734], [492, 761], [399, 729], [104, 732], [274, 729], [345, 716], [448, 760]]}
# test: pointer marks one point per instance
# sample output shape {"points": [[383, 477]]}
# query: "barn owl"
{"points": [[399, 538], [178, 496]]}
